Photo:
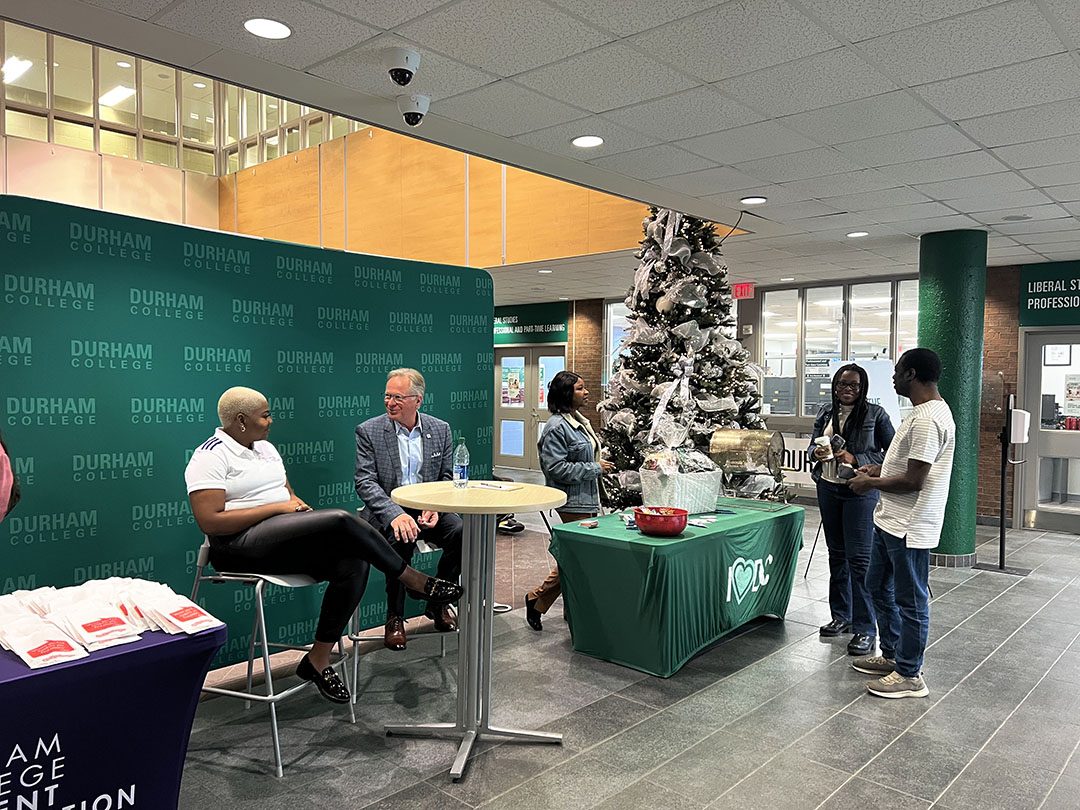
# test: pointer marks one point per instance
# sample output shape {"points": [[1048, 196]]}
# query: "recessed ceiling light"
{"points": [[267, 29], [123, 64], [564, 297], [789, 278], [544, 271], [587, 141], [858, 234], [199, 85], [1016, 217], [754, 200], [118, 94], [13, 68], [272, 106]]}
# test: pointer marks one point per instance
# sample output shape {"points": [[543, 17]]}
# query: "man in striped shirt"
{"points": [[914, 485]]}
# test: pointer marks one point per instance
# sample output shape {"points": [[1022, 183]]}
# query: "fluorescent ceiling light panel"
{"points": [[15, 67], [118, 94]]}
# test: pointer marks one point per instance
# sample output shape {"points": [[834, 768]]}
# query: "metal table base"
{"points": [[474, 654]]}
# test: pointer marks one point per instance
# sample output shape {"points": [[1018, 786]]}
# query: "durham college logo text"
{"points": [[745, 577]]}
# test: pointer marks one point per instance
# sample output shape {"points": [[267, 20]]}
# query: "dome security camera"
{"points": [[413, 108], [401, 64]]}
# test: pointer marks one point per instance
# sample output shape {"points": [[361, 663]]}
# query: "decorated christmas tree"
{"points": [[681, 373]]}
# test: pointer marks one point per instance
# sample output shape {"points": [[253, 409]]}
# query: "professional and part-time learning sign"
{"points": [[117, 337], [1050, 294]]}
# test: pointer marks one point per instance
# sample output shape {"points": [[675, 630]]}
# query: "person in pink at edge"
{"points": [[7, 480]]}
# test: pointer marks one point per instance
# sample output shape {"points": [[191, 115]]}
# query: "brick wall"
{"points": [[1000, 339], [585, 349]]}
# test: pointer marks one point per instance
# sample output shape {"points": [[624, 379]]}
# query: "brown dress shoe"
{"points": [[443, 616], [395, 633]]}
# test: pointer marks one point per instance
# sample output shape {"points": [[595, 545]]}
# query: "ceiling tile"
{"points": [[605, 78], [1041, 153], [1053, 78], [362, 69], [871, 18], [776, 194], [1058, 175], [968, 164], [316, 32], [141, 9], [505, 37], [1000, 183], [383, 13], [807, 84], [708, 182], [1035, 212], [696, 111], [1072, 208], [736, 38], [1018, 200], [626, 17], [901, 147], [1064, 251], [965, 44], [653, 161], [798, 210], [951, 223], [907, 213], [868, 200], [865, 118], [1017, 252], [556, 140], [845, 222], [1019, 229], [1067, 14], [837, 184], [1020, 126], [1065, 193], [800, 165], [1050, 237], [506, 109], [747, 143]]}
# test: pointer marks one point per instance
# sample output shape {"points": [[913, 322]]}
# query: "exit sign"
{"points": [[742, 290]]}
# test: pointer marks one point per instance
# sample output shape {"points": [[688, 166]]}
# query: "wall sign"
{"points": [[1050, 294], [531, 323], [742, 290]]}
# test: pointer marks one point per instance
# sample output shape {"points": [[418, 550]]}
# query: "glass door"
{"points": [[1051, 491], [522, 375]]}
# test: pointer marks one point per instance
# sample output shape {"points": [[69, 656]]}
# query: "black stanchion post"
{"points": [[1006, 462]]}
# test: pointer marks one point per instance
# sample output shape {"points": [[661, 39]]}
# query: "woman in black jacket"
{"points": [[848, 519]]}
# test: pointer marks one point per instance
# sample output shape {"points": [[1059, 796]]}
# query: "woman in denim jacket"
{"points": [[570, 459], [848, 519]]}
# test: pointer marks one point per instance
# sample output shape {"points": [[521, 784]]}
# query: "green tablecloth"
{"points": [[652, 603]]}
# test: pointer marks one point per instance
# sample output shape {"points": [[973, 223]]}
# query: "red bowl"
{"points": [[660, 521]]}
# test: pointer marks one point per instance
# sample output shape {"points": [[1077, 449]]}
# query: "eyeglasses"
{"points": [[397, 398], [853, 386]]}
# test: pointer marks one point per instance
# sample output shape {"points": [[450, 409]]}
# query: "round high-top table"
{"points": [[478, 504]]}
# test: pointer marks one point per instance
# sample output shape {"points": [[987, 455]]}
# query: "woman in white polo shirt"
{"points": [[242, 500]]}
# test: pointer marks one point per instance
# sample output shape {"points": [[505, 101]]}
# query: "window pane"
{"points": [[250, 121], [513, 382], [196, 160], [232, 162], [316, 130], [73, 77], [822, 344], [24, 75], [547, 368], [780, 335], [339, 126], [617, 327], [271, 149], [119, 144], [870, 310], [66, 133], [158, 98], [24, 125], [116, 84], [271, 112], [164, 154], [907, 316], [232, 114], [292, 112], [251, 155], [292, 140], [197, 114], [1060, 386]]}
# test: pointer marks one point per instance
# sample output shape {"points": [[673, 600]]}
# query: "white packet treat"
{"points": [[40, 644], [180, 613], [93, 621]]}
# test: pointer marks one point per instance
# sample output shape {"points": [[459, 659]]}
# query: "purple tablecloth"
{"points": [[115, 724]]}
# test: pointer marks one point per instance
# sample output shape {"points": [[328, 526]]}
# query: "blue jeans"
{"points": [[848, 521], [897, 578]]}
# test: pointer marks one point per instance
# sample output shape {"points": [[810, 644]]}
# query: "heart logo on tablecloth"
{"points": [[740, 579]]}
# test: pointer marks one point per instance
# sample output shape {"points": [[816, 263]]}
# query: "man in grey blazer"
{"points": [[398, 448]]}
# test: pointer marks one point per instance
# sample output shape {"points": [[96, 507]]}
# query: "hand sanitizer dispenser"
{"points": [[1021, 423]]}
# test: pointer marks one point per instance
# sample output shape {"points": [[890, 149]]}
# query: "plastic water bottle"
{"points": [[461, 464]]}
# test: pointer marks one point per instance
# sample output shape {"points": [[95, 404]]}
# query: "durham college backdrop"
{"points": [[118, 335]]}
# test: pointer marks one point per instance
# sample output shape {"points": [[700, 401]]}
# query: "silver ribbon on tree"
{"points": [[661, 230]]}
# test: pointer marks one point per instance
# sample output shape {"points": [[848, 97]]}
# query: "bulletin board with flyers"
{"points": [[118, 336]]}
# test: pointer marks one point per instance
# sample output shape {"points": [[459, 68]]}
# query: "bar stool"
{"points": [[258, 632]]}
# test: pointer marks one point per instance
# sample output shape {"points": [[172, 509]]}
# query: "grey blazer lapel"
{"points": [[433, 444], [393, 456]]}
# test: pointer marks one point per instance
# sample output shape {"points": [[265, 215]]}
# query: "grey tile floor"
{"points": [[771, 717]]}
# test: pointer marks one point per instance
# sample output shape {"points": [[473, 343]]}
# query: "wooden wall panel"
{"points": [[227, 202], [201, 200], [124, 187], [544, 218], [374, 192], [614, 223], [280, 199], [49, 171], [485, 213], [433, 203], [332, 176]]}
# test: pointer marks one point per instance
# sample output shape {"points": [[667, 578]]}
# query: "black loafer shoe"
{"points": [[327, 682], [532, 615], [861, 644], [439, 591], [834, 628]]}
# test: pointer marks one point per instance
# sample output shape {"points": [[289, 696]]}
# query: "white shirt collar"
{"points": [[400, 428], [234, 446]]}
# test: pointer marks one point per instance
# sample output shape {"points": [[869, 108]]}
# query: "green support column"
{"points": [[952, 292]]}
